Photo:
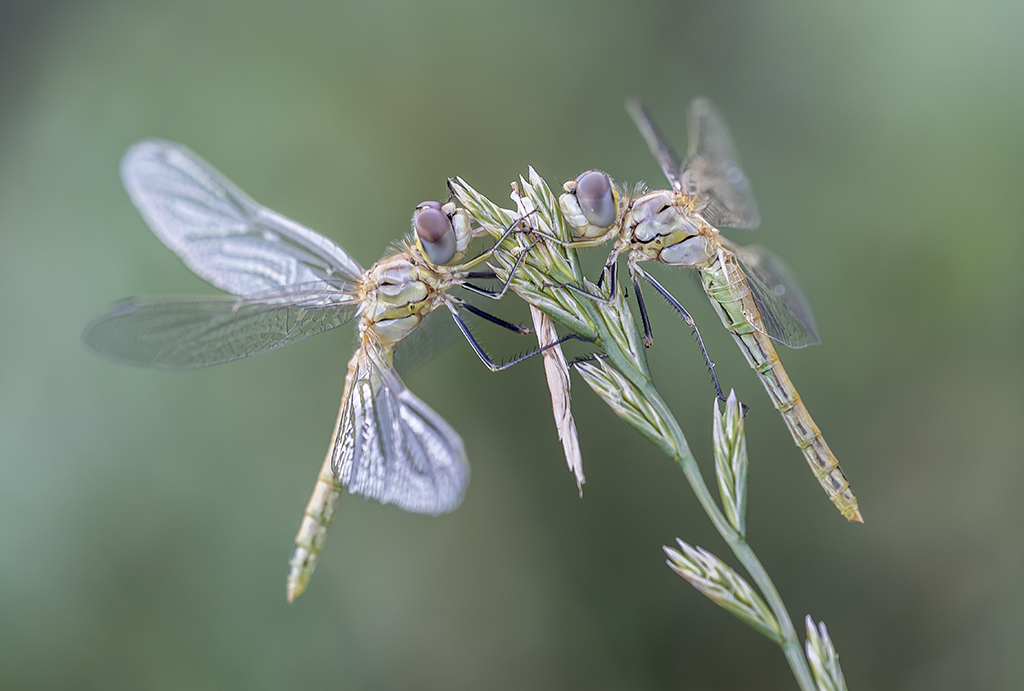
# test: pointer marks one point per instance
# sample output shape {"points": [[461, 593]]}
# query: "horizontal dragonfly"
{"points": [[752, 290], [286, 283]]}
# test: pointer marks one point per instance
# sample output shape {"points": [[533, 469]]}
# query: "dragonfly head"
{"points": [[442, 232], [591, 204]]}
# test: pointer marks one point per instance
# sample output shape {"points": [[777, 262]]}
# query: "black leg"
{"points": [[587, 358], [481, 274], [689, 322], [491, 364], [498, 294], [579, 243], [494, 320], [497, 243], [610, 271], [648, 336]]}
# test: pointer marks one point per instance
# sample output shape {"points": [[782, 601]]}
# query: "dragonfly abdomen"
{"points": [[730, 295], [313, 530], [823, 462], [806, 434], [319, 514]]}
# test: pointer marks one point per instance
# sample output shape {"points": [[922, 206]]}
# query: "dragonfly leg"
{"points": [[574, 244], [493, 319], [485, 358], [587, 358], [610, 271], [500, 293], [686, 318], [494, 248], [648, 335]]}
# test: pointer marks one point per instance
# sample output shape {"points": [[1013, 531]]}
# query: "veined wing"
{"points": [[220, 233], [712, 172], [659, 146], [431, 337], [784, 308], [181, 333], [393, 448]]}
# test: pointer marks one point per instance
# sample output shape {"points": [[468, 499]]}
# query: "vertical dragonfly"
{"points": [[752, 290], [286, 283]]}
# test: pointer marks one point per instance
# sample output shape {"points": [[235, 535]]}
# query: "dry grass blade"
{"points": [[556, 369]]}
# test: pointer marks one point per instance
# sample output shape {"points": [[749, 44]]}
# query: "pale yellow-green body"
{"points": [[395, 295], [665, 226], [730, 295]]}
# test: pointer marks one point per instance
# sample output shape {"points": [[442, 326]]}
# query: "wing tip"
{"points": [[145, 156], [143, 149]]}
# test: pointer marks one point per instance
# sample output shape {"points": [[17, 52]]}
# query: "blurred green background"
{"points": [[146, 518]]}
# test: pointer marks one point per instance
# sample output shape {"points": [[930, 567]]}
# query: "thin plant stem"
{"points": [[551, 280], [790, 644], [679, 451]]}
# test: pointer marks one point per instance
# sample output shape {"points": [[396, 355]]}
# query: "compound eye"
{"points": [[594, 192], [431, 222], [435, 233]]}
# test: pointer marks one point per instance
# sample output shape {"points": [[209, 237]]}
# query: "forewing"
{"points": [[712, 172], [181, 333], [220, 233], [659, 146], [784, 308], [393, 448]]}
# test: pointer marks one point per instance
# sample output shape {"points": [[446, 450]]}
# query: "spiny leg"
{"points": [[572, 244], [500, 293], [610, 271], [686, 318], [482, 354], [512, 228], [587, 358], [645, 320], [493, 319]]}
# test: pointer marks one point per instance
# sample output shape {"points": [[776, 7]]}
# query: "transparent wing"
{"points": [[393, 448], [181, 333], [784, 308], [659, 146], [221, 234], [433, 335], [712, 171]]}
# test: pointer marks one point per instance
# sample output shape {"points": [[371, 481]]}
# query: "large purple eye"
{"points": [[594, 192], [435, 232]]}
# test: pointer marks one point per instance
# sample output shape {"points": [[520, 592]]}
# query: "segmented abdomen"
{"points": [[320, 511], [727, 287]]}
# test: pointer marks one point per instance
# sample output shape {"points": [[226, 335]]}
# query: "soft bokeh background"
{"points": [[146, 518]]}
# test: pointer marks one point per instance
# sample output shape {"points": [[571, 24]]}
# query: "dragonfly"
{"points": [[751, 289], [284, 283]]}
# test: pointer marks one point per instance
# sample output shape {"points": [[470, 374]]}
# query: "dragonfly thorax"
{"points": [[397, 293], [659, 227]]}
